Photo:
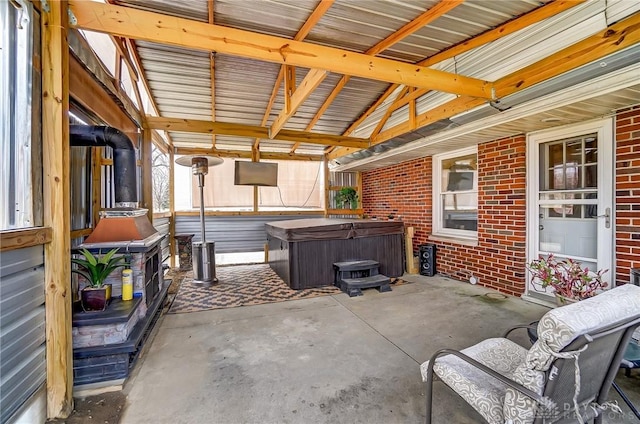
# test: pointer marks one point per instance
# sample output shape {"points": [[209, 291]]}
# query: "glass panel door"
{"points": [[568, 199], [572, 200]]}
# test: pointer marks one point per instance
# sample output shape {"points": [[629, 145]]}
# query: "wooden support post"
{"points": [[408, 246], [327, 206], [96, 185], [172, 208], [57, 270], [147, 175], [255, 157]]}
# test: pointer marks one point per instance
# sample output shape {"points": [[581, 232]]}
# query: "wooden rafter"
{"points": [[424, 19], [310, 82], [613, 39], [289, 86], [155, 27], [463, 103], [313, 19], [245, 154], [143, 77], [133, 73], [124, 54], [334, 93], [252, 131], [537, 15], [388, 113]]}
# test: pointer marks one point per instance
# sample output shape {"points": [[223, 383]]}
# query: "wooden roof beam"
{"points": [[425, 18], [313, 19], [155, 27], [241, 130], [616, 37], [310, 82], [537, 15], [245, 154]]}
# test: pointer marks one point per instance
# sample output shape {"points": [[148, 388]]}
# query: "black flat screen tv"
{"points": [[256, 173]]}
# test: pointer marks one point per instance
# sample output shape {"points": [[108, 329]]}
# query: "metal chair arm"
{"points": [[517, 327], [514, 385]]}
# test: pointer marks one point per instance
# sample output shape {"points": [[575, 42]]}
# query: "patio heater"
{"points": [[204, 254]]}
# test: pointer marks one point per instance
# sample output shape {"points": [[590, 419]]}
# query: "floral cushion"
{"points": [[484, 393], [556, 330]]}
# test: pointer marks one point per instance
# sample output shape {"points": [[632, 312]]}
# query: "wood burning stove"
{"points": [[106, 344]]}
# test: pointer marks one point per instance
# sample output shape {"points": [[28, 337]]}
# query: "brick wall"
{"points": [[403, 190], [498, 260], [627, 193]]}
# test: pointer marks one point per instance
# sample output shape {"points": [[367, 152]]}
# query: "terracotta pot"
{"points": [[94, 299]]}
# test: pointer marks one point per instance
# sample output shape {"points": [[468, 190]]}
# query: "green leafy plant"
{"points": [[96, 269], [566, 277], [347, 196]]}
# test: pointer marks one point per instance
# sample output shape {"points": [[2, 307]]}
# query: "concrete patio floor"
{"points": [[330, 359]]}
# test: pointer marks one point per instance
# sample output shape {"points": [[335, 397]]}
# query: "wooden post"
{"points": [[172, 208], [96, 177], [255, 157], [408, 249], [327, 181], [57, 270], [147, 173]]}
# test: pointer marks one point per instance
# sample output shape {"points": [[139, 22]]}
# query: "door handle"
{"points": [[607, 217]]}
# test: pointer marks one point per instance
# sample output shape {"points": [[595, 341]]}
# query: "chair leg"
{"points": [[428, 394], [626, 400]]}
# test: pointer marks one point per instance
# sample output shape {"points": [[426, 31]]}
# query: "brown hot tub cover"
{"points": [[331, 229]]}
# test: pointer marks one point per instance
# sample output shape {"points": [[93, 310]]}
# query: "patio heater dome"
{"points": [[204, 255]]}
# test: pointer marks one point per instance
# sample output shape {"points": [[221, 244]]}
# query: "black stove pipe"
{"points": [[124, 158]]}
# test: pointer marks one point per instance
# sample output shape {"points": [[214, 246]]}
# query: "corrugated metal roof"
{"points": [[180, 79]]}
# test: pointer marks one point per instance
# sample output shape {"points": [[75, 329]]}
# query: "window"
{"points": [[16, 73], [160, 175], [300, 187], [455, 193]]}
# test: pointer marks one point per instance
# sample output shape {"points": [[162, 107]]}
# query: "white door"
{"points": [[570, 210]]}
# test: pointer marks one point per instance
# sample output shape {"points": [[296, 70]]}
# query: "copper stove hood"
{"points": [[126, 225], [123, 227]]}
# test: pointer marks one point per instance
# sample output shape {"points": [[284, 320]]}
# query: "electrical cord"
{"points": [[315, 182]]}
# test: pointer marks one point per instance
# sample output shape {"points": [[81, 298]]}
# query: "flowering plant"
{"points": [[566, 277]]}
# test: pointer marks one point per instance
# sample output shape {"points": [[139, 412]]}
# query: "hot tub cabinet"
{"points": [[302, 252]]}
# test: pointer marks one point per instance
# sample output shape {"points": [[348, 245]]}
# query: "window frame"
{"points": [[19, 199], [438, 228]]}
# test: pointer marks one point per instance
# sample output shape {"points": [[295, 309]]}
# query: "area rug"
{"points": [[242, 285]]}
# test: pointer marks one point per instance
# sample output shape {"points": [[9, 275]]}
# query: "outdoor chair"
{"points": [[564, 377]]}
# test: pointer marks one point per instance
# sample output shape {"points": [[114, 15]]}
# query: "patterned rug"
{"points": [[242, 285]]}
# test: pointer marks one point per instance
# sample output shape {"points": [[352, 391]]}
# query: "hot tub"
{"points": [[302, 251]]}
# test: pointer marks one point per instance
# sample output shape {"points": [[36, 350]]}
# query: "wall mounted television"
{"points": [[256, 173]]}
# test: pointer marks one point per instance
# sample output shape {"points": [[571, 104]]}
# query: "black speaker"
{"points": [[427, 259]]}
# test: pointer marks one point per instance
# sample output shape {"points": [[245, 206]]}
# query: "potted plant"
{"points": [[96, 269], [347, 197], [569, 281]]}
